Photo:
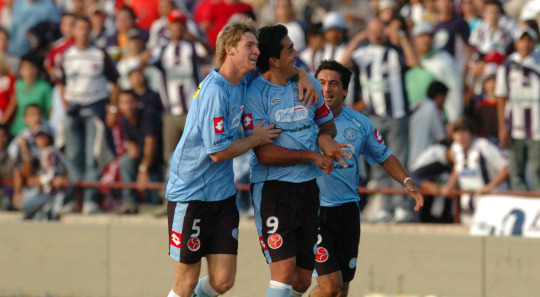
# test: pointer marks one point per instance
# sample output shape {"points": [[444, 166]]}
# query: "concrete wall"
{"points": [[119, 260]]}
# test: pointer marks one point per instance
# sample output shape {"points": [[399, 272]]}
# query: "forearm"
{"points": [[501, 103], [114, 94], [149, 151], [327, 129], [9, 110], [393, 167], [499, 178], [237, 148], [272, 154], [346, 58], [410, 56]]}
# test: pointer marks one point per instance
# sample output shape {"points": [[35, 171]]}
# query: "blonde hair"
{"points": [[231, 35]]}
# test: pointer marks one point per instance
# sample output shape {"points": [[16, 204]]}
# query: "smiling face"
{"points": [[244, 55], [332, 88], [287, 58]]}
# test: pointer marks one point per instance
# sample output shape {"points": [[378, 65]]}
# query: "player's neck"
{"points": [[337, 111], [275, 77], [231, 73]]}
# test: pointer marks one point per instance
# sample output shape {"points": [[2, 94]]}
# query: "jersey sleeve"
{"points": [[323, 113], [374, 150], [254, 110], [501, 85], [493, 154], [213, 118]]}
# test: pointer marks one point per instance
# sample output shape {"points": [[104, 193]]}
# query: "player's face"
{"points": [[463, 137], [332, 88], [287, 58], [246, 52]]}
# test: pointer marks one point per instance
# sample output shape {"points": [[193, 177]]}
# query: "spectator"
{"points": [[7, 93], [334, 31], [386, 10], [218, 15], [5, 13], [132, 58], [485, 109], [381, 77], [145, 97], [180, 61], [146, 12], [427, 125], [312, 54], [470, 14], [488, 36], [286, 16], [78, 8], [357, 14], [518, 94], [412, 11], [27, 14], [87, 70], [29, 89], [452, 33], [6, 164], [42, 197], [442, 65], [479, 166], [98, 17], [117, 43], [11, 60], [143, 160]]}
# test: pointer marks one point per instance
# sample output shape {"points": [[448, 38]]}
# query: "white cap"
{"points": [[387, 4], [490, 70], [334, 20], [423, 27], [522, 31]]}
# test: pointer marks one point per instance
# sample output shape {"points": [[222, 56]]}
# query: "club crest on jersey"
{"points": [[176, 239], [378, 136], [194, 244], [275, 241], [248, 121], [263, 245], [219, 125], [322, 255], [350, 134], [291, 114]]}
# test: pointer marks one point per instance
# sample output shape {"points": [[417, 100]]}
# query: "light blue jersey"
{"points": [[279, 105], [211, 125], [361, 137]]}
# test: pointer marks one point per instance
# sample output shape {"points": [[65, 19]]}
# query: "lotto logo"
{"points": [[322, 255], [248, 121], [219, 126], [275, 241], [263, 245], [176, 239], [194, 244], [378, 136]]}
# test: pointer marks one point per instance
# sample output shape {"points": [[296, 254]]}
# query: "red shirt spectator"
{"points": [[219, 14], [202, 10], [7, 88], [146, 11], [54, 58]]}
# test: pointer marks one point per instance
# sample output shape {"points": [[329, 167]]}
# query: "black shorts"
{"points": [[339, 237], [286, 216], [198, 228]]}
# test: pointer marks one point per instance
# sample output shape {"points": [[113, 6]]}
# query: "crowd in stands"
{"points": [[99, 90]]}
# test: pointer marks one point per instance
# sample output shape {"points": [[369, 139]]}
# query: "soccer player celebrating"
{"points": [[339, 219], [203, 217], [285, 192]]}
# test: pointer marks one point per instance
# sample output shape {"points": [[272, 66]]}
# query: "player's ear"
{"points": [[274, 62], [228, 49]]}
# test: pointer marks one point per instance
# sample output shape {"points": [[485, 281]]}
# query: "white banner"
{"points": [[499, 215]]}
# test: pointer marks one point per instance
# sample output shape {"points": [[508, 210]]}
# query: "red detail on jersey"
{"points": [[322, 255], [219, 125], [275, 241], [263, 245], [194, 244], [322, 111], [378, 136], [176, 239], [247, 120]]}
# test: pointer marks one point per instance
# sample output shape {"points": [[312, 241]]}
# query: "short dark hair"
{"points": [[128, 10], [270, 45], [127, 92], [344, 72], [496, 3], [463, 123], [314, 29], [436, 88], [83, 19]]}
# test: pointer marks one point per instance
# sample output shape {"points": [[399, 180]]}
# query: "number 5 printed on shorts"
{"points": [[194, 244]]}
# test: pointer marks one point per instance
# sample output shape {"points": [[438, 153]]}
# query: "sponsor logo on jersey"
{"points": [[275, 241], [378, 136], [291, 114], [263, 245], [322, 111], [352, 263], [176, 239], [223, 140], [219, 125], [322, 255], [235, 233], [275, 100], [248, 121], [194, 244], [350, 134]]}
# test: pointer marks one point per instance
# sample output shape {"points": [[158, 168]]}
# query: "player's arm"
{"points": [[306, 84], [393, 167], [148, 153], [261, 136], [332, 149], [276, 155]]}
